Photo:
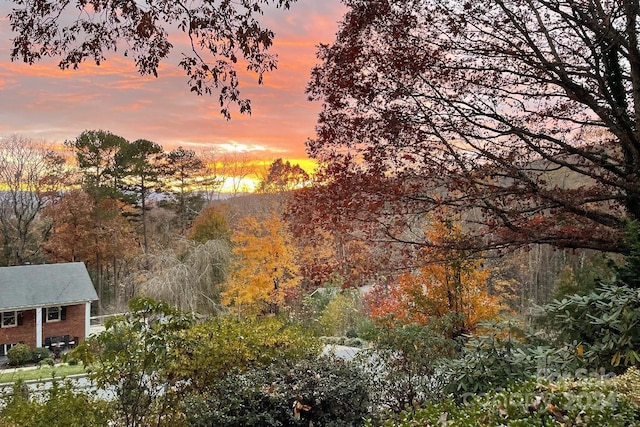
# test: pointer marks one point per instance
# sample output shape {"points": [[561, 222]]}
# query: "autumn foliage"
{"points": [[523, 115], [450, 284], [210, 224], [265, 265], [84, 231]]}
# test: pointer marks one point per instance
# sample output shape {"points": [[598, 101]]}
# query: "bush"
{"points": [[503, 354], [58, 406], [40, 353], [605, 324], [590, 402], [223, 344], [327, 392], [343, 315], [404, 364], [19, 354], [131, 358], [355, 342], [629, 383], [47, 362]]}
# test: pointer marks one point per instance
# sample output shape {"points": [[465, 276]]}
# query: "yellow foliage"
{"points": [[210, 224], [264, 264]]}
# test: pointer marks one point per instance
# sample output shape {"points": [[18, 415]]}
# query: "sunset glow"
{"points": [[43, 102]]}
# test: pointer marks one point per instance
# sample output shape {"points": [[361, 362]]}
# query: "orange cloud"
{"points": [[44, 101]]}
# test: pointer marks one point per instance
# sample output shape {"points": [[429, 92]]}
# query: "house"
{"points": [[46, 305]]}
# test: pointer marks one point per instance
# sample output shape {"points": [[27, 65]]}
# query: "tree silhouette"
{"points": [[219, 35], [522, 114]]}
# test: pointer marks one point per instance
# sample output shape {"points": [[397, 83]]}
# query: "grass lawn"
{"points": [[44, 372]]}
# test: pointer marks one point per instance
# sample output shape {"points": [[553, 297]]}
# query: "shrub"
{"points": [[355, 342], [590, 402], [47, 362], [503, 354], [131, 358], [58, 406], [70, 358], [485, 364], [343, 315], [403, 364], [40, 353], [326, 392], [154, 355], [19, 354], [605, 324], [239, 399], [629, 383], [223, 344]]}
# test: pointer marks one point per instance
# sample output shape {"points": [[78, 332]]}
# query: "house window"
{"points": [[54, 314], [4, 348], [9, 319]]}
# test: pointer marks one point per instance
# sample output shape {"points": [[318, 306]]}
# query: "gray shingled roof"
{"points": [[28, 286]]}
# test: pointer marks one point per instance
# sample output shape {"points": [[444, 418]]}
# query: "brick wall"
{"points": [[26, 332], [72, 326], [23, 333]]}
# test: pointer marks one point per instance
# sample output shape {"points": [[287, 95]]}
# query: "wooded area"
{"points": [[472, 225], [150, 221]]}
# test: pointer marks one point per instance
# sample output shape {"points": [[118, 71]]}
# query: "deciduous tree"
{"points": [[283, 176], [235, 166], [264, 265], [219, 35], [333, 225], [522, 114], [343, 315], [211, 181], [448, 285], [190, 279], [72, 223], [95, 234], [31, 175], [211, 224]]}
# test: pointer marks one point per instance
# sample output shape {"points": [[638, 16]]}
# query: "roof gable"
{"points": [[28, 286]]}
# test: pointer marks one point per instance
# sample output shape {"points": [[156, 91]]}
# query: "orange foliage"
{"points": [[84, 231], [451, 283]]}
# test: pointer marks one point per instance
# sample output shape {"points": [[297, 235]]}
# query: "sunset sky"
{"points": [[42, 102]]}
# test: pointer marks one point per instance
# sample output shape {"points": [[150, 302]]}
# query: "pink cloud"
{"points": [[43, 101]]}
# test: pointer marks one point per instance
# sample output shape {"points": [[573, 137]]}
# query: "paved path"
{"points": [[341, 351], [79, 382]]}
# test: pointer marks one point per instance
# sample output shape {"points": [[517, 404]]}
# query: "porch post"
{"points": [[39, 327], [87, 319]]}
